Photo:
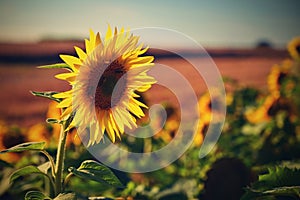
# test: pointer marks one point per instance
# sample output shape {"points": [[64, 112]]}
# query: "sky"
{"points": [[218, 23]]}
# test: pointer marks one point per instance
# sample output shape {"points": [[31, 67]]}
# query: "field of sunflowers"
{"points": [[256, 157]]}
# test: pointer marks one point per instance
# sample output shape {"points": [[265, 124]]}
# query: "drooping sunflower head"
{"points": [[294, 48], [104, 82], [204, 106], [262, 113], [277, 76], [274, 79], [211, 103]]}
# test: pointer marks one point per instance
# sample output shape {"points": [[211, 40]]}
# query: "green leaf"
{"points": [[279, 181], [25, 171], [285, 191], [36, 146], [36, 195], [292, 191], [48, 95], [93, 170], [66, 196], [279, 177], [56, 66]]}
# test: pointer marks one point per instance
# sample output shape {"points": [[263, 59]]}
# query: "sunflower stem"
{"points": [[60, 157]]}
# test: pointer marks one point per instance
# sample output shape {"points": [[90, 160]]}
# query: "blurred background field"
{"points": [[19, 74]]}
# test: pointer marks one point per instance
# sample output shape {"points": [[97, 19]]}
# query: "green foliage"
{"points": [[93, 170], [36, 195], [25, 171], [35, 146], [278, 182], [66, 196]]}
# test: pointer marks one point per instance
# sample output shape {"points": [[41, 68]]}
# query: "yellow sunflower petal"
{"points": [[136, 110], [82, 55], [108, 127], [138, 103], [114, 126], [144, 88], [63, 94], [65, 103], [88, 46], [143, 51], [66, 112], [92, 38], [108, 33], [126, 119], [118, 120], [66, 76], [72, 61], [99, 135], [93, 132], [142, 60]]}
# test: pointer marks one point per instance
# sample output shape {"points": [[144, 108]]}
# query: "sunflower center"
{"points": [[111, 86]]}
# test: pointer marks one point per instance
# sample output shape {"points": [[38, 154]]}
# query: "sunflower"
{"points": [[277, 75], [201, 132], [105, 79], [262, 113], [205, 110], [209, 99], [204, 105], [294, 48], [169, 131]]}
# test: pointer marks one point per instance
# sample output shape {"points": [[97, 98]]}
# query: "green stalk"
{"points": [[60, 157]]}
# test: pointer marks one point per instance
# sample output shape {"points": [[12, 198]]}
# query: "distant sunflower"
{"points": [[276, 77], [169, 130], [104, 82], [262, 113], [201, 132], [205, 110], [209, 99], [294, 48]]}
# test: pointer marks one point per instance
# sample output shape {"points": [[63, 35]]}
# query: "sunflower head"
{"points": [[105, 79], [277, 76], [201, 132], [263, 112], [294, 48]]}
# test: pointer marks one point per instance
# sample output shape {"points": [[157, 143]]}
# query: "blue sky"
{"points": [[221, 23]]}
